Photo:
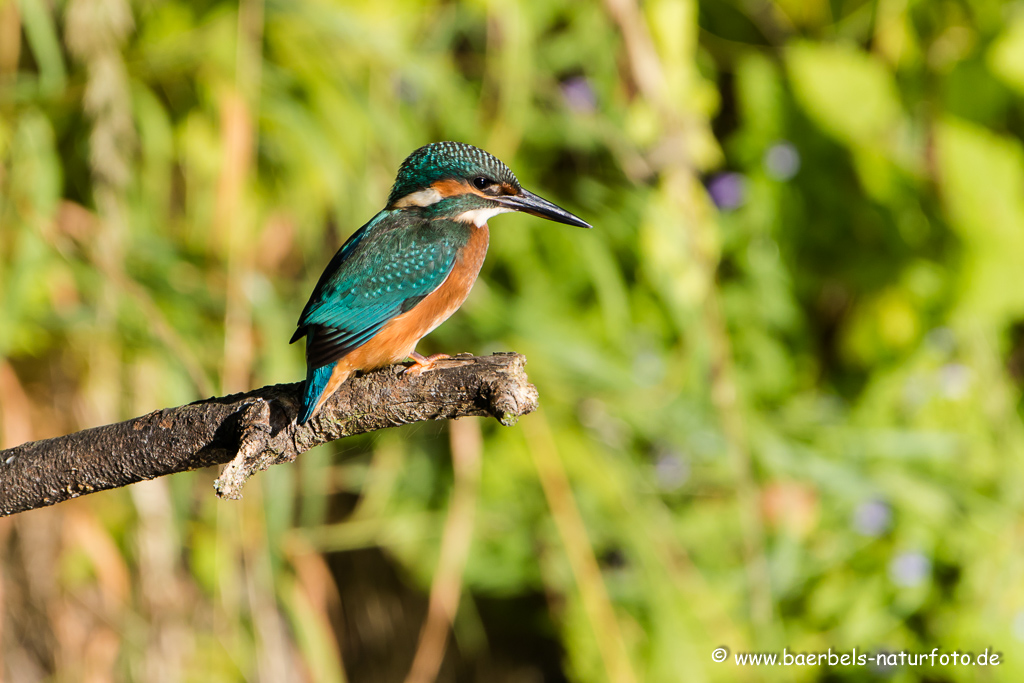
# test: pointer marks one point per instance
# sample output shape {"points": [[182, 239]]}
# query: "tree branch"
{"points": [[255, 430]]}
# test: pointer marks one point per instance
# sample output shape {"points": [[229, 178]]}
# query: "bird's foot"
{"points": [[424, 363]]}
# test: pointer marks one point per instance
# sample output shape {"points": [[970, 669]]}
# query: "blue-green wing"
{"points": [[382, 271]]}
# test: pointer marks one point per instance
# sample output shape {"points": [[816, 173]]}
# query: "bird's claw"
{"points": [[424, 363]]}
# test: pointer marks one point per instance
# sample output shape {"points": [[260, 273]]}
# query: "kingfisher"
{"points": [[410, 267]]}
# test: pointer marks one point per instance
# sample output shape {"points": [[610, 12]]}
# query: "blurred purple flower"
{"points": [[872, 518], [909, 569], [670, 470], [782, 161], [728, 190], [579, 95]]}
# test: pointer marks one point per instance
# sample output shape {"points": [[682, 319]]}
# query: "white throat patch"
{"points": [[478, 217], [422, 198]]}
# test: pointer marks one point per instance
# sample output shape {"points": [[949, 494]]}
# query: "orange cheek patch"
{"points": [[451, 188]]}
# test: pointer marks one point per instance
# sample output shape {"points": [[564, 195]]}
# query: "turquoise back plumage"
{"points": [[387, 267]]}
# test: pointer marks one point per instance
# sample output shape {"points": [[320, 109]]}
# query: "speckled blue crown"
{"points": [[448, 160]]}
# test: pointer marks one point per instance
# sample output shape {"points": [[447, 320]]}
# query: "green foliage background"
{"points": [[791, 419]]}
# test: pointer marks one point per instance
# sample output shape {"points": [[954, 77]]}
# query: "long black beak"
{"points": [[528, 202]]}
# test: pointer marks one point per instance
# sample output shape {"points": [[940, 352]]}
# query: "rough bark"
{"points": [[255, 430]]}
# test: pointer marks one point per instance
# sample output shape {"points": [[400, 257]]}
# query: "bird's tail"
{"points": [[315, 390]]}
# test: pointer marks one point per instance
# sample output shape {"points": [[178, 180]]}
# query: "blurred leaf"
{"points": [[1006, 54], [847, 92], [981, 176], [42, 38], [761, 96]]}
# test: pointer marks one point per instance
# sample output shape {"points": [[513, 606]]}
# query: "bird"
{"points": [[410, 267]]}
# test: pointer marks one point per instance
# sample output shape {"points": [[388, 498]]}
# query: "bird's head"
{"points": [[465, 183]]}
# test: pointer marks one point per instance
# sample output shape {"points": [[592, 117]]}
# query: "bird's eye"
{"points": [[482, 182]]}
